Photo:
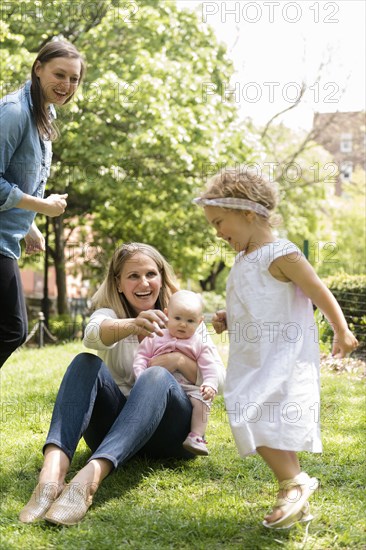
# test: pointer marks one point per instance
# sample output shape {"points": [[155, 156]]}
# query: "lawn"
{"points": [[207, 503]]}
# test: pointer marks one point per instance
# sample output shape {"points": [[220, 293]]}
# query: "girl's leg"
{"points": [[285, 465], [13, 313]]}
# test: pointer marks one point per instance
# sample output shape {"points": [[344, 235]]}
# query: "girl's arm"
{"points": [[298, 270], [219, 321]]}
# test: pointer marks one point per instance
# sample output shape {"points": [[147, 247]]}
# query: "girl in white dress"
{"points": [[272, 386]]}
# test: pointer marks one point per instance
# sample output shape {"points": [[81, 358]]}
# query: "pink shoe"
{"points": [[195, 444]]}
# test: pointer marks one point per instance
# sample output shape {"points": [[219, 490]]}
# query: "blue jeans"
{"points": [[155, 418]]}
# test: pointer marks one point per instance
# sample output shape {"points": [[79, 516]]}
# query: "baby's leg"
{"points": [[195, 442], [200, 414]]}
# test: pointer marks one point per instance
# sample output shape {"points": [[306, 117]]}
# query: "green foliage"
{"points": [[345, 249], [300, 168], [147, 127], [213, 301], [63, 327], [350, 292]]}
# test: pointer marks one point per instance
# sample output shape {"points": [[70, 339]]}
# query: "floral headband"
{"points": [[235, 203]]}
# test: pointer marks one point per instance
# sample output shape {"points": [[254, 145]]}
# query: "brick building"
{"points": [[343, 135]]}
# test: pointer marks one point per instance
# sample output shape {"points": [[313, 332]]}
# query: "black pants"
{"points": [[13, 313]]}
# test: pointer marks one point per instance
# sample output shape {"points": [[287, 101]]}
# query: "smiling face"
{"points": [[59, 78], [140, 282], [234, 226]]}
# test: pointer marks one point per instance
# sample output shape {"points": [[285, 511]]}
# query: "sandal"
{"points": [[304, 516], [294, 510]]}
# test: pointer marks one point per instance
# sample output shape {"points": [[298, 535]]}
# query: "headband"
{"points": [[235, 203]]}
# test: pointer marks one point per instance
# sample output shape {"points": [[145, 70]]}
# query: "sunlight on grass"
{"points": [[213, 502]]}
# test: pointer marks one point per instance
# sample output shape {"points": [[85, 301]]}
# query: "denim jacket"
{"points": [[25, 162]]}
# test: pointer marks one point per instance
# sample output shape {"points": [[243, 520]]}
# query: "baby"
{"points": [[184, 334]]}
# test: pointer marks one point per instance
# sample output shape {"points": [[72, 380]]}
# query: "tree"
{"points": [[145, 128], [344, 249]]}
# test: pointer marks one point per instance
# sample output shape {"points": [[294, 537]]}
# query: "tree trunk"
{"points": [[59, 261], [209, 283]]}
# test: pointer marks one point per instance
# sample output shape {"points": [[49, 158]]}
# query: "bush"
{"points": [[213, 302], [350, 292], [65, 327]]}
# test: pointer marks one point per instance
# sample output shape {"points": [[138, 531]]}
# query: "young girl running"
{"points": [[272, 386], [27, 131]]}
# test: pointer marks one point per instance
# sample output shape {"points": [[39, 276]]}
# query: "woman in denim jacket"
{"points": [[27, 131]]}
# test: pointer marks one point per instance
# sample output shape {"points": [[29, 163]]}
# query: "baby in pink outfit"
{"points": [[184, 334]]}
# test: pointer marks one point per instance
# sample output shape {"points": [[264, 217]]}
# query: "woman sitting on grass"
{"points": [[98, 399]]}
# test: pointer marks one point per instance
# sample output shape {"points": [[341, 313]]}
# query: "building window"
{"points": [[346, 170], [346, 143]]}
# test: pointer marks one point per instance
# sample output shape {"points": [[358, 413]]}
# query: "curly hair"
{"points": [[233, 182]]}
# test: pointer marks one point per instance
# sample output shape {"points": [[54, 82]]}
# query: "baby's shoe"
{"points": [[195, 444]]}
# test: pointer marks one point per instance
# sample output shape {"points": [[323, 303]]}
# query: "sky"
{"points": [[277, 45]]}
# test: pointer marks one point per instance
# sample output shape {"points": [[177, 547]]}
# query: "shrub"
{"points": [[350, 292], [65, 327]]}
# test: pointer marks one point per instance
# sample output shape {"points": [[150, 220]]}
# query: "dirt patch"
{"points": [[352, 365]]}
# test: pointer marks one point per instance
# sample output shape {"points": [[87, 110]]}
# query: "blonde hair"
{"points": [[108, 296], [233, 182]]}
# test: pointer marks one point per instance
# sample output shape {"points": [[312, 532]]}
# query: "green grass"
{"points": [[207, 503]]}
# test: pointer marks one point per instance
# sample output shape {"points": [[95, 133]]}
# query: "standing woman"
{"points": [[27, 132]]}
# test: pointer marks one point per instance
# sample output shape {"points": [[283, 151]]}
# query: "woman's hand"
{"points": [[34, 240], [168, 360], [149, 322], [219, 321], [54, 205], [145, 324], [207, 392], [177, 361]]}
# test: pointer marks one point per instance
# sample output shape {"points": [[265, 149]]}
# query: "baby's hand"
{"points": [[219, 321], [207, 392], [343, 343]]}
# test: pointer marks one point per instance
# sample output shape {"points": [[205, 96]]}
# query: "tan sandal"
{"points": [[294, 510], [41, 500], [70, 507]]}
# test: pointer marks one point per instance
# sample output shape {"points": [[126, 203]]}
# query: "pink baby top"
{"points": [[199, 347]]}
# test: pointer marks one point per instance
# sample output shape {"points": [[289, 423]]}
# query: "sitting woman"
{"points": [[98, 399]]}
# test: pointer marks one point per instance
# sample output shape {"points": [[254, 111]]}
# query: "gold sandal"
{"points": [[294, 510]]}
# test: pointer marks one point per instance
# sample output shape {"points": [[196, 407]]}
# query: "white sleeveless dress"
{"points": [[272, 390]]}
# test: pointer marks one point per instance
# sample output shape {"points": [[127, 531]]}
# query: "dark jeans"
{"points": [[155, 418], [13, 313]]}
